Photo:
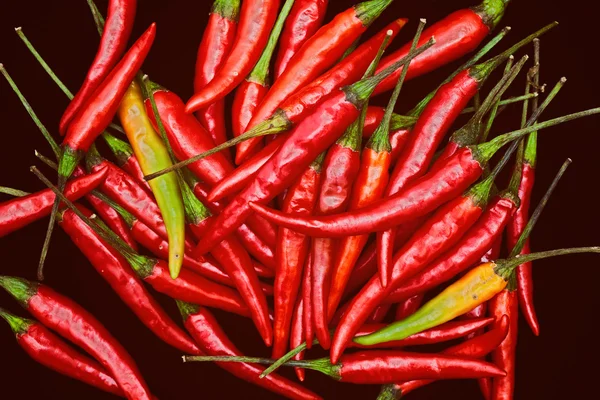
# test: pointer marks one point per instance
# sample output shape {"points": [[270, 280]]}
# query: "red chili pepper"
{"points": [[379, 314], [126, 159], [117, 272], [72, 322], [506, 303], [251, 92], [477, 347], [292, 250], [99, 110], [317, 55], [113, 220], [212, 340], [257, 17], [315, 134], [408, 307], [49, 350], [309, 325], [20, 212], [217, 40], [117, 29], [304, 20], [297, 334]]}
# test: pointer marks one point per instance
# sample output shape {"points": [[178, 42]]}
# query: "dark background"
{"points": [[561, 363]]}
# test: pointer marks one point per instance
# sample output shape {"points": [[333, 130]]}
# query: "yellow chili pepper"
{"points": [[153, 156]]}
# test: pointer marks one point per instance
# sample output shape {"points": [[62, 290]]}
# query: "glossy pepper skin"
{"points": [[456, 35], [101, 107], [126, 159], [292, 250], [506, 302], [19, 212], [52, 352], [71, 321], [257, 17], [113, 220], [437, 235], [217, 40], [187, 137], [408, 306], [297, 334], [251, 92], [204, 328], [123, 280], [152, 155], [304, 20], [117, 29]]}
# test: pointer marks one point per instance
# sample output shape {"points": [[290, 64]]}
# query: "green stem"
{"points": [[286, 357], [350, 49], [260, 72], [389, 392], [123, 213], [13, 192], [369, 11], [538, 211], [229, 9], [530, 156], [186, 309], [491, 11], [510, 100], [46, 160], [21, 289], [97, 15], [120, 148], [494, 112], [18, 325]]}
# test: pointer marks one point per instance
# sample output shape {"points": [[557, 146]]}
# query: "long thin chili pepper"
{"points": [[317, 55], [119, 21], [477, 286], [152, 155], [408, 306], [204, 328], [297, 336], [187, 287], [383, 366], [345, 73], [71, 321], [438, 234], [423, 196], [49, 350], [292, 249], [309, 324], [257, 17], [112, 218], [304, 20], [251, 92], [123, 280], [477, 347], [217, 40], [126, 159], [315, 134]]}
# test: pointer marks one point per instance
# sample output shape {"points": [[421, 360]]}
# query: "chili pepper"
{"points": [[437, 235], [435, 120], [113, 220], [292, 249], [456, 35], [309, 324], [117, 272], [297, 334], [316, 56], [408, 306], [257, 17], [383, 366], [217, 40], [477, 286], [204, 328], [71, 321], [251, 92], [20, 212], [126, 159], [315, 134], [152, 154], [120, 17], [305, 18], [477, 347], [344, 73], [49, 350], [426, 194], [379, 314]]}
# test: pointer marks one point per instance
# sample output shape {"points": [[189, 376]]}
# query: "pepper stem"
{"points": [[369, 11], [21, 289], [186, 309], [287, 357], [491, 11], [389, 392], [13, 192], [229, 9], [18, 325], [120, 148], [494, 112], [98, 18], [530, 156], [260, 72], [505, 102]]}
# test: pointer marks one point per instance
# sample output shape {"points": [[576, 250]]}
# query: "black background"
{"points": [[561, 363]]}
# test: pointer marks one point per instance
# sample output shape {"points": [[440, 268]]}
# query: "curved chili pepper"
{"points": [[113, 220], [251, 92], [49, 350], [424, 195], [72, 322], [117, 272], [477, 347], [257, 17], [152, 155], [20, 212], [309, 325], [297, 334], [214, 48], [204, 328], [507, 303], [317, 54], [119, 21], [292, 250], [409, 306], [304, 20], [126, 159], [315, 134]]}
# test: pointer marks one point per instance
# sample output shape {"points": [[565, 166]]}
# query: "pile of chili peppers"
{"points": [[320, 218]]}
